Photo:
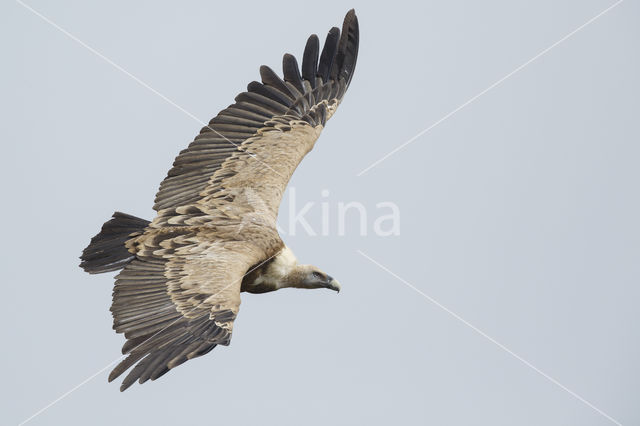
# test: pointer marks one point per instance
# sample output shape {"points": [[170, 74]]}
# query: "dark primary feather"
{"points": [[328, 54], [291, 71], [347, 49], [270, 78], [310, 60]]}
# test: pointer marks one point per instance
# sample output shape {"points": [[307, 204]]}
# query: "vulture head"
{"points": [[284, 271], [309, 276]]}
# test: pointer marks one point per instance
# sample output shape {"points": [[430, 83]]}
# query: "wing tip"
{"points": [[347, 52], [310, 59]]}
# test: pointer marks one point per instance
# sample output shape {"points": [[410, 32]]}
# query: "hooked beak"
{"points": [[333, 284]]}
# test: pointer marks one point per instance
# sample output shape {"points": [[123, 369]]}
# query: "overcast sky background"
{"points": [[519, 213]]}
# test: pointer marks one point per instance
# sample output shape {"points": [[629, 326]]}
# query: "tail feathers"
{"points": [[106, 251]]}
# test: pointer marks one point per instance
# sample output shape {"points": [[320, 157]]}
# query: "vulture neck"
{"points": [[282, 271]]}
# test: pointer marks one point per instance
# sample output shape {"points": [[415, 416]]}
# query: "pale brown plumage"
{"points": [[214, 235]]}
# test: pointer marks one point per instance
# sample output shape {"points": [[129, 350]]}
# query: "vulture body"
{"points": [[214, 236]]}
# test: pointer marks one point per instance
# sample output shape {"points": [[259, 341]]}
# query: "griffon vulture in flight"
{"points": [[214, 236]]}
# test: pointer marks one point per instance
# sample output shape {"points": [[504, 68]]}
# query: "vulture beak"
{"points": [[333, 284]]}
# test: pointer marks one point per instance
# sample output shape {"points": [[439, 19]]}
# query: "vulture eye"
{"points": [[317, 275]]}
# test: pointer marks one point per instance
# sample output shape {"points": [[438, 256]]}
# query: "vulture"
{"points": [[214, 235]]}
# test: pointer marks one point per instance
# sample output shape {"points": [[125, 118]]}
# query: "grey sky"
{"points": [[519, 213]]}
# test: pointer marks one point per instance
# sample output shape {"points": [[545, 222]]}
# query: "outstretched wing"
{"points": [[257, 142], [178, 299]]}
